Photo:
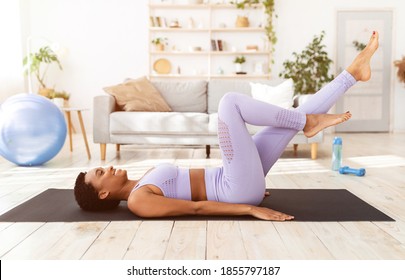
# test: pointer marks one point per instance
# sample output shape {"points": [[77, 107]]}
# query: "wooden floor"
{"points": [[383, 156]]}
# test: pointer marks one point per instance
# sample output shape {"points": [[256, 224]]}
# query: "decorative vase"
{"points": [[159, 47], [242, 21], [59, 101], [238, 67]]}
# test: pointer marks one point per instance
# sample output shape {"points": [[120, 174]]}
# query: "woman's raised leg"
{"points": [[271, 141], [246, 160]]}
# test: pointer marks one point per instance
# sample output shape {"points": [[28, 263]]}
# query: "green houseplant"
{"points": [[239, 60], [159, 43], [309, 69], [37, 60]]}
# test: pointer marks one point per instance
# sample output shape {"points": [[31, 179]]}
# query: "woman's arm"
{"points": [[148, 204]]}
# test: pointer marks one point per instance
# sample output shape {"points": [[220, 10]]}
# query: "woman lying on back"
{"points": [[237, 187]]}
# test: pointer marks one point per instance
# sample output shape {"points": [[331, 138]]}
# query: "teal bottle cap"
{"points": [[337, 141]]}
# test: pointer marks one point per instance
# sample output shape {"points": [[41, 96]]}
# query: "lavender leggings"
{"points": [[247, 159]]}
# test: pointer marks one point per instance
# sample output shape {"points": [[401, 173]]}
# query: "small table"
{"points": [[67, 111]]}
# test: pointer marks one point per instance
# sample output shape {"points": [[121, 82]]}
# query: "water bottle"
{"points": [[337, 153]]}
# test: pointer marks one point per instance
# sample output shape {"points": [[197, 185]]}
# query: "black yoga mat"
{"points": [[59, 205]]}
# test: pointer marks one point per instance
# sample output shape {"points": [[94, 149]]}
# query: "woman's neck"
{"points": [[124, 193]]}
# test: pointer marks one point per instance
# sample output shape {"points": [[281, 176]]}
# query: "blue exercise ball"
{"points": [[32, 129]]}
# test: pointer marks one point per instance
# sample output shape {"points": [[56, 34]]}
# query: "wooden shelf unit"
{"points": [[207, 64]]}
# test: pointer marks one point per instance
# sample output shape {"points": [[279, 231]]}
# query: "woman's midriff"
{"points": [[197, 183]]}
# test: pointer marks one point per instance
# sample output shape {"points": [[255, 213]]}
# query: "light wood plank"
{"points": [[262, 241], [4, 225], [385, 246], [224, 241], [76, 241], [340, 243], [38, 244], [301, 242], [113, 241], [187, 241], [396, 230], [14, 234], [150, 242]]}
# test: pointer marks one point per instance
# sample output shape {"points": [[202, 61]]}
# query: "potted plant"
{"points": [[159, 43], [309, 69], [401, 69], [239, 60], [60, 98], [45, 55]]}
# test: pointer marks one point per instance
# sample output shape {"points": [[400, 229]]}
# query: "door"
{"points": [[368, 102]]}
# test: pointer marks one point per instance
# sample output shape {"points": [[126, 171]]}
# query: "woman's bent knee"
{"points": [[230, 99]]}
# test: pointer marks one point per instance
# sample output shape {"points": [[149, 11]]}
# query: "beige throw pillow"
{"points": [[138, 95]]}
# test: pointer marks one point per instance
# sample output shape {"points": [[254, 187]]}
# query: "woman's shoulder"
{"points": [[157, 175], [167, 168], [159, 168], [145, 189]]}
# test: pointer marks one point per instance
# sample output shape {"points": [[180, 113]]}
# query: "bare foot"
{"points": [[317, 122], [360, 67]]}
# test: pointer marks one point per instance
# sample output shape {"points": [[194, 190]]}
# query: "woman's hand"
{"points": [[268, 214]]}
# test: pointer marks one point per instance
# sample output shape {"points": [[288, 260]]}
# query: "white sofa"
{"points": [[193, 120]]}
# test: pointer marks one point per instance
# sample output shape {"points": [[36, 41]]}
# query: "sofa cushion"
{"points": [[218, 88], [190, 96], [280, 95], [138, 95], [158, 123]]}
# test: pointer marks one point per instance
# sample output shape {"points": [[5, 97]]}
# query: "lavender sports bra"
{"points": [[173, 181]]}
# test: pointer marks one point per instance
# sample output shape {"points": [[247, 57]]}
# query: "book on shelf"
{"points": [[158, 22], [164, 22], [213, 45], [217, 45], [220, 46], [155, 21]]}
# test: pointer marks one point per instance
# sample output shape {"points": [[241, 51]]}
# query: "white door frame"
{"points": [[383, 124]]}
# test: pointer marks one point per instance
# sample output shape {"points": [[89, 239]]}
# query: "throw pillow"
{"points": [[184, 96], [280, 95], [138, 95]]}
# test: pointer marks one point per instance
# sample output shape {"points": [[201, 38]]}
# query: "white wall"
{"points": [[11, 77], [107, 40]]}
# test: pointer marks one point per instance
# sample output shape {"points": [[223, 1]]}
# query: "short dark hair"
{"points": [[87, 197]]}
